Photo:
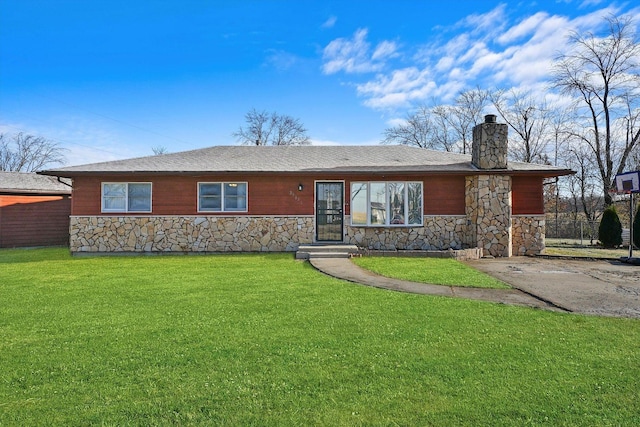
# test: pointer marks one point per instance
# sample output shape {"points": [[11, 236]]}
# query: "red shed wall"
{"points": [[268, 194], [527, 195], [27, 220]]}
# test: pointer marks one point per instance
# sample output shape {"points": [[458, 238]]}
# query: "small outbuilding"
{"points": [[266, 198], [34, 210]]}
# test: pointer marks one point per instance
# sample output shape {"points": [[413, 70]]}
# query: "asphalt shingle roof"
{"points": [[297, 159], [31, 183]]}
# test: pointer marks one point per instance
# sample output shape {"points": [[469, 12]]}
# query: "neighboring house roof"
{"points": [[31, 183], [300, 159]]}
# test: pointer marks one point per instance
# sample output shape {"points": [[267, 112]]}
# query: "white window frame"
{"points": [[223, 208], [126, 197], [388, 218]]}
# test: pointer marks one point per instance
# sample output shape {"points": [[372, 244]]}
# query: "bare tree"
{"points": [[530, 119], [28, 153], [586, 199], [425, 128], [444, 134], [465, 114], [560, 137], [442, 127], [603, 76], [159, 149], [417, 130], [263, 128], [633, 163]]}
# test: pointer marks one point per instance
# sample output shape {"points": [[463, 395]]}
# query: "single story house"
{"points": [[34, 210], [275, 198]]}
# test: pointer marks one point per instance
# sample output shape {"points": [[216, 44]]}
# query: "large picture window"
{"points": [[126, 197], [395, 203], [222, 197]]}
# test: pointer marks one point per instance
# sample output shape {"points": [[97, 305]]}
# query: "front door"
{"points": [[329, 215]]}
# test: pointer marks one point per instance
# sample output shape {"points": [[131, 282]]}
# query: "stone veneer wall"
{"points": [[488, 207], [528, 234], [437, 233], [189, 233], [229, 234]]}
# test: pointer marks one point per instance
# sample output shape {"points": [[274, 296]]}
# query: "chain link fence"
{"points": [[579, 232], [575, 231]]}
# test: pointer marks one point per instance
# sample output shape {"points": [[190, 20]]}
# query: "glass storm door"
{"points": [[329, 217]]}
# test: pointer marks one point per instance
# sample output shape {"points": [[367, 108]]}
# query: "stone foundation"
{"points": [[189, 233], [279, 234], [437, 233], [528, 234]]}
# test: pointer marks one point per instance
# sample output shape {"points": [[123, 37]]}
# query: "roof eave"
{"points": [[547, 173], [12, 191]]}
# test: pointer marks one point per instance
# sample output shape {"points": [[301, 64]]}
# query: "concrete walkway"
{"points": [[587, 286], [343, 268]]}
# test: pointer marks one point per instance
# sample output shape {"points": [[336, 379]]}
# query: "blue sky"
{"points": [[112, 79]]}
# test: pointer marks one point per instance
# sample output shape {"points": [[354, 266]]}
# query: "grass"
{"points": [[267, 340], [576, 248], [437, 271]]}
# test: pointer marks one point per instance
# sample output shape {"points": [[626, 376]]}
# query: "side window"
{"points": [[222, 197], [210, 197], [114, 197], [126, 197], [235, 196]]}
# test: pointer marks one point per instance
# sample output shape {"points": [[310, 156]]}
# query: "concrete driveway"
{"points": [[604, 288]]}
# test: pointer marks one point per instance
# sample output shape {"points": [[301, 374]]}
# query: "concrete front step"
{"points": [[326, 251]]}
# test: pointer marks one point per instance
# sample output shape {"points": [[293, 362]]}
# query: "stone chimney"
{"points": [[489, 148]]}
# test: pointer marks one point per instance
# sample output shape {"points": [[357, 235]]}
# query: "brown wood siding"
{"points": [[444, 195], [27, 220], [527, 196], [178, 195], [267, 194]]}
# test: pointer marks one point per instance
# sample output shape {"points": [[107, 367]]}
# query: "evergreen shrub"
{"points": [[610, 230]]}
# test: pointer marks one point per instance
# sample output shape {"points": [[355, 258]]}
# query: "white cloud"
{"points": [[486, 24], [448, 91], [329, 23], [445, 63], [396, 122], [353, 55], [386, 49], [281, 60], [524, 28], [486, 50], [399, 89], [587, 3]]}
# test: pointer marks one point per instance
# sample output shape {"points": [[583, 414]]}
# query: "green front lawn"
{"points": [[267, 340], [437, 271]]}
